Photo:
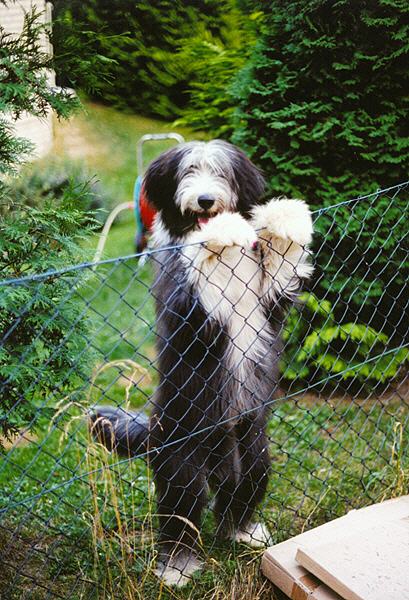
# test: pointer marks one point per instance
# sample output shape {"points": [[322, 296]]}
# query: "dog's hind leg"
{"points": [[182, 492], [255, 467], [224, 478], [239, 497]]}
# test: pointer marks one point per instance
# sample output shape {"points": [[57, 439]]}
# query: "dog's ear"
{"points": [[160, 179], [250, 182]]}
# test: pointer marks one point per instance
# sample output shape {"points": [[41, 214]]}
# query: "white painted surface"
{"points": [[368, 564], [279, 562], [38, 131]]}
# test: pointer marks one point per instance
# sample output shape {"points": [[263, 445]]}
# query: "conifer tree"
{"points": [[323, 103], [34, 358], [322, 109]]}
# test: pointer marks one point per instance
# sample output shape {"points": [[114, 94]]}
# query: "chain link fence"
{"points": [[78, 521]]}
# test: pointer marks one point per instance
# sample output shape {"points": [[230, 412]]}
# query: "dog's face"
{"points": [[191, 183]]}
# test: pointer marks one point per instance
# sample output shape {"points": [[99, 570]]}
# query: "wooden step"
{"points": [[279, 562]]}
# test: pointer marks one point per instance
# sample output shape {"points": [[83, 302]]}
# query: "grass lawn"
{"points": [[104, 140], [81, 521]]}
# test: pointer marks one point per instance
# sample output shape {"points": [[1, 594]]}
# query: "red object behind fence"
{"points": [[147, 211]]}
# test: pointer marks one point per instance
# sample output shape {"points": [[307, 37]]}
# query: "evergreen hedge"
{"points": [[144, 39], [35, 358], [322, 109], [214, 63]]}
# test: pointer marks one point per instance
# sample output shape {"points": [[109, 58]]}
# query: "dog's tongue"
{"points": [[203, 221]]}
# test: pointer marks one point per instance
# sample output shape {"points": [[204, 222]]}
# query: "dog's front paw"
{"points": [[227, 229], [285, 219]]}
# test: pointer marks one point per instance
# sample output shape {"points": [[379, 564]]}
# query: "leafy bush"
{"points": [[323, 102], [362, 262], [24, 87], [319, 348], [44, 331], [35, 238], [214, 63], [322, 110], [38, 185], [143, 38]]}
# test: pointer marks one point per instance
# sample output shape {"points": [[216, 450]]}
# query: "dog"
{"points": [[228, 262]]}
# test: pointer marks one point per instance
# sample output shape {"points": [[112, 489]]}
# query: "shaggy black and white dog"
{"points": [[219, 297]]}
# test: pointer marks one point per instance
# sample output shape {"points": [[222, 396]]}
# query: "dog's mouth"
{"points": [[204, 218]]}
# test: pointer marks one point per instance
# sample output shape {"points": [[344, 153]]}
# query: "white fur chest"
{"points": [[229, 287]]}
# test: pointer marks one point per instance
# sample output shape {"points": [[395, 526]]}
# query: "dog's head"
{"points": [[192, 182]]}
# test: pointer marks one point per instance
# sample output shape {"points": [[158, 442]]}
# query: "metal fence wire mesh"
{"points": [[76, 519]]}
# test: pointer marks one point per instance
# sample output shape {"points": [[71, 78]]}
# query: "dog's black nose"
{"points": [[205, 201]]}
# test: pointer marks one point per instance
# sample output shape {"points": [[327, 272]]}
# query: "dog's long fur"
{"points": [[219, 300]]}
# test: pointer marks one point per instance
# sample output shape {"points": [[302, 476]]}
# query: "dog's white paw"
{"points": [[255, 535], [227, 229], [179, 569], [286, 219]]}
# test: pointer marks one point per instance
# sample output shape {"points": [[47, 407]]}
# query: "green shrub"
{"points": [[362, 262], [320, 349], [323, 102], [214, 63], [42, 350], [35, 236], [322, 110], [41, 183], [24, 87], [143, 38]]}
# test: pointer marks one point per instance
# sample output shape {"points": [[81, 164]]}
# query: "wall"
{"points": [[39, 131]]}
